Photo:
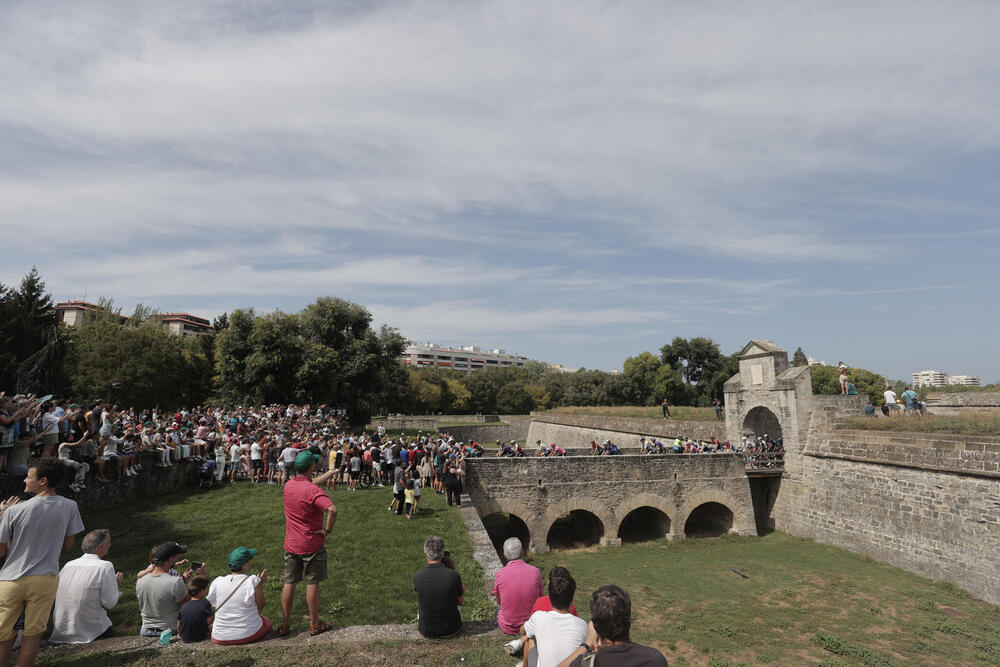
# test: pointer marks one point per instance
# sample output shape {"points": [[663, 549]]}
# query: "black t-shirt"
{"points": [[438, 589], [193, 620], [625, 655]]}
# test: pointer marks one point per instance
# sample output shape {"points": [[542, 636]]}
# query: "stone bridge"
{"points": [[584, 500]]}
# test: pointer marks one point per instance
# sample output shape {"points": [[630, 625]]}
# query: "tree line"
{"points": [[328, 353]]}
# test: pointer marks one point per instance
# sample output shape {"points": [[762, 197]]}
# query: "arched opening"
{"points": [[500, 526], [761, 421], [575, 530], [643, 524], [709, 520]]}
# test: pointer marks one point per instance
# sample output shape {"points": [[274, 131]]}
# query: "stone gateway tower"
{"points": [[768, 396]]}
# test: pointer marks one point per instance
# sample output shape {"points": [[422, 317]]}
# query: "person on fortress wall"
{"points": [[516, 587], [608, 641]]}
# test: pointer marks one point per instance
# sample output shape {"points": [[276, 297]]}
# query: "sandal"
{"points": [[319, 629], [283, 630]]}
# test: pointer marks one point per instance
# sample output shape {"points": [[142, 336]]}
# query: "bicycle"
{"points": [[366, 479]]}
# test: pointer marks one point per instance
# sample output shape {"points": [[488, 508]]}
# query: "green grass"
{"points": [[679, 412], [372, 552], [972, 422], [804, 603]]}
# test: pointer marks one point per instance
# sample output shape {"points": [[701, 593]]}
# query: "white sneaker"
{"points": [[513, 647], [131, 471]]}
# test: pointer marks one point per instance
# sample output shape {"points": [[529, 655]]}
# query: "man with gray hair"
{"points": [[87, 587], [516, 587], [439, 593]]}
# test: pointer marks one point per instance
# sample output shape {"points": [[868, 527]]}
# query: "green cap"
{"points": [[305, 458], [240, 556]]}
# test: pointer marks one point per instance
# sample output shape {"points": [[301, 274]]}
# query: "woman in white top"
{"points": [[237, 599]]}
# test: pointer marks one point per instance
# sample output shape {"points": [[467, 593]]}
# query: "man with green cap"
{"points": [[305, 537]]}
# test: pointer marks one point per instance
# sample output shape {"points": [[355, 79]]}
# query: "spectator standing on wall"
{"points": [[87, 587], [717, 404], [32, 534], [666, 408], [844, 379]]}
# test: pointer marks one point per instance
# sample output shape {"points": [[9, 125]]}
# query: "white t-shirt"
{"points": [[255, 451], [890, 397], [557, 635], [238, 618], [234, 454]]}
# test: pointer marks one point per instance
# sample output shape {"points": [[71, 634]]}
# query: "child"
{"points": [[417, 486], [194, 623], [409, 498]]}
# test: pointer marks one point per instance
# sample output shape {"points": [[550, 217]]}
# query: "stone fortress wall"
{"points": [[540, 490], [577, 431]]}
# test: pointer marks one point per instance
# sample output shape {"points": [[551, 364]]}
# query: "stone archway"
{"points": [[740, 520], [761, 421], [645, 516], [575, 530], [709, 520]]}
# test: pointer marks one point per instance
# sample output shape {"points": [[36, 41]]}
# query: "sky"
{"points": [[576, 182]]}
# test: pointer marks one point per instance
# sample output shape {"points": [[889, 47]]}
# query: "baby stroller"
{"points": [[206, 474]]}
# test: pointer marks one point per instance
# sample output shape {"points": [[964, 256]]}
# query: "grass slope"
{"points": [[372, 553], [973, 422]]}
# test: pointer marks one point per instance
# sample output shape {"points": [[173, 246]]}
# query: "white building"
{"points": [[467, 358], [970, 380], [184, 324], [930, 379]]}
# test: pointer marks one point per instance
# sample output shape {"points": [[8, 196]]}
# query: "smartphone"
{"points": [[195, 565]]}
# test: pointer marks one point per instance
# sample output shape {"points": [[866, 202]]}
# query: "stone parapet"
{"points": [[969, 399]]}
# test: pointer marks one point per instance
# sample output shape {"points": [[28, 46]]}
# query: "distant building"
{"points": [[939, 379], [559, 368], [184, 324], [72, 313], [815, 362], [466, 359], [930, 379]]}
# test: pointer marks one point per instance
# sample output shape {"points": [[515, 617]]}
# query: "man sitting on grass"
{"points": [[439, 593], [516, 587], [608, 642], [554, 634]]}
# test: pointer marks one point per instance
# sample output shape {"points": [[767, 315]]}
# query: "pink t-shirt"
{"points": [[518, 585], [304, 506]]}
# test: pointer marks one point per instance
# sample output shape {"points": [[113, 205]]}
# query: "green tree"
{"points": [[232, 347], [826, 380], [147, 366], [699, 362], [800, 358], [640, 379], [514, 399]]}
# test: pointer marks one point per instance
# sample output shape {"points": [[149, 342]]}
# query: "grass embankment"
{"points": [[973, 422], [679, 412], [372, 553], [804, 603]]}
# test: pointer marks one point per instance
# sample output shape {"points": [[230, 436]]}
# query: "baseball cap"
{"points": [[305, 458], [167, 550], [240, 555]]}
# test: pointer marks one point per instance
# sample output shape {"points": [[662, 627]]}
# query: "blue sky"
{"points": [[577, 182]]}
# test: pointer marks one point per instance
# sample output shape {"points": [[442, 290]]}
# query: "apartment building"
{"points": [[939, 379], [467, 358]]}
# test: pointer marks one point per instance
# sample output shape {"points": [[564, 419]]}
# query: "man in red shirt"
{"points": [[516, 587], [305, 538]]}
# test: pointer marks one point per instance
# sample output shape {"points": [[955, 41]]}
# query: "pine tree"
{"points": [[800, 358]]}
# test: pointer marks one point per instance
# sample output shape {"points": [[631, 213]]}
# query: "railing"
{"points": [[765, 460]]}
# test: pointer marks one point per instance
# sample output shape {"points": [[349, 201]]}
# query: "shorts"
{"points": [[33, 594], [256, 464], [313, 566], [272, 466], [109, 457], [355, 474], [234, 467], [376, 466]]}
